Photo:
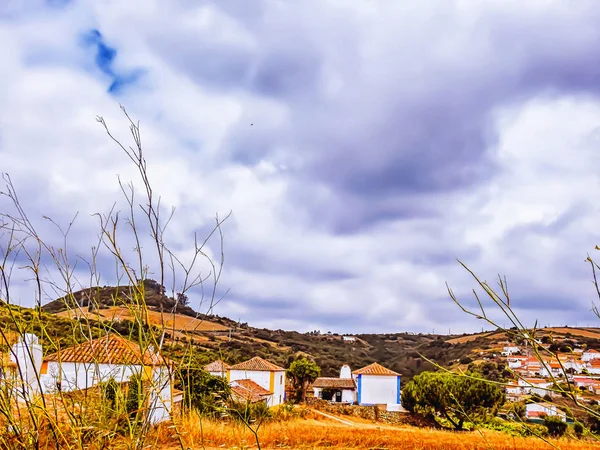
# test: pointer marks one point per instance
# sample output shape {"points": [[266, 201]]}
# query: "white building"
{"points": [[265, 374], [217, 368], [593, 366], [588, 355], [539, 410], [537, 386], [377, 385], [92, 362], [516, 361], [349, 338], [510, 349], [338, 390]]}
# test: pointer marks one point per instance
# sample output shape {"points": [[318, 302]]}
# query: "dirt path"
{"points": [[337, 419]]}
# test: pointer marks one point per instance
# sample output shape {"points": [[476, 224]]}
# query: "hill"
{"points": [[213, 336]]}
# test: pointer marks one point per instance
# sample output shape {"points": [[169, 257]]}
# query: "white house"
{"points": [[513, 391], [593, 366], [263, 373], [377, 385], [537, 386], [249, 391], [349, 338], [516, 361], [510, 349], [111, 356], [588, 355], [217, 368], [338, 390], [539, 410]]}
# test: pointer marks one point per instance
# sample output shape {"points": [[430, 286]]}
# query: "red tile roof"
{"points": [[257, 364], [109, 349], [249, 390], [335, 383], [217, 366], [375, 369]]}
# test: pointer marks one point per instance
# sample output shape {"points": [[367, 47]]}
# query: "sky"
{"points": [[362, 147]]}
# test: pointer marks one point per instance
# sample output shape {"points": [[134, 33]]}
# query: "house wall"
{"points": [[27, 354], [73, 376], [378, 389], [587, 356], [219, 374], [161, 396], [348, 395]]}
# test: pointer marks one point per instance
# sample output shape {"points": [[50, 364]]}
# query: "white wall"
{"points": [[345, 372], [219, 374], [27, 354], [377, 389], [348, 395], [587, 356], [73, 376]]}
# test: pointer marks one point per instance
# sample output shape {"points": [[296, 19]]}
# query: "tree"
{"points": [[302, 372], [455, 398], [182, 299], [202, 391], [556, 426]]}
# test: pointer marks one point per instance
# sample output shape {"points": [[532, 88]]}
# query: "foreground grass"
{"points": [[319, 434]]}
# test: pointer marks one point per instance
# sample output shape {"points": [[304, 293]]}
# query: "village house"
{"points": [[377, 385], [588, 383], [539, 386], [217, 368], [514, 391], [84, 366], [516, 361], [593, 366], [349, 338], [551, 369], [262, 373], [510, 349], [338, 390], [538, 411], [588, 355], [248, 391]]}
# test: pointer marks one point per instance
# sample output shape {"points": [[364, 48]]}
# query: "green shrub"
{"points": [[556, 426]]}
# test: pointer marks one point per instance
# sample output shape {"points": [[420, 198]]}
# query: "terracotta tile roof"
{"points": [[591, 351], [594, 363], [109, 349], [217, 366], [375, 369], [249, 390], [336, 383], [257, 364]]}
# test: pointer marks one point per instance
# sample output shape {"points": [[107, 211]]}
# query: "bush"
{"points": [[556, 427], [578, 429]]}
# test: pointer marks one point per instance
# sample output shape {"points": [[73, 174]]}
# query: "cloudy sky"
{"points": [[363, 146]]}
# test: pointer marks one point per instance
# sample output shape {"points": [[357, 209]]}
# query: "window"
{"points": [[281, 379]]}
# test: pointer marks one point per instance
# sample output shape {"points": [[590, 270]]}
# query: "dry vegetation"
{"points": [[179, 322], [314, 434]]}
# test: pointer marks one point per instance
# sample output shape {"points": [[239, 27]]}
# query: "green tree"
{"points": [[556, 426], [302, 372], [202, 391], [452, 397]]}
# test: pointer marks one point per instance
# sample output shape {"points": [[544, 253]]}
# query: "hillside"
{"points": [[213, 336]]}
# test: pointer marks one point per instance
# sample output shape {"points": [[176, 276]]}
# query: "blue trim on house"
{"points": [[399, 398], [359, 389]]}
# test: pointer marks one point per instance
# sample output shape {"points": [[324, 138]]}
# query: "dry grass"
{"points": [[316, 434], [177, 321]]}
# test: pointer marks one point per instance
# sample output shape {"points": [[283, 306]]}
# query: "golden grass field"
{"points": [[322, 434], [177, 321]]}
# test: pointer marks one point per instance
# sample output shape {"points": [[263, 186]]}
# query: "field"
{"points": [[179, 322], [320, 434]]}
